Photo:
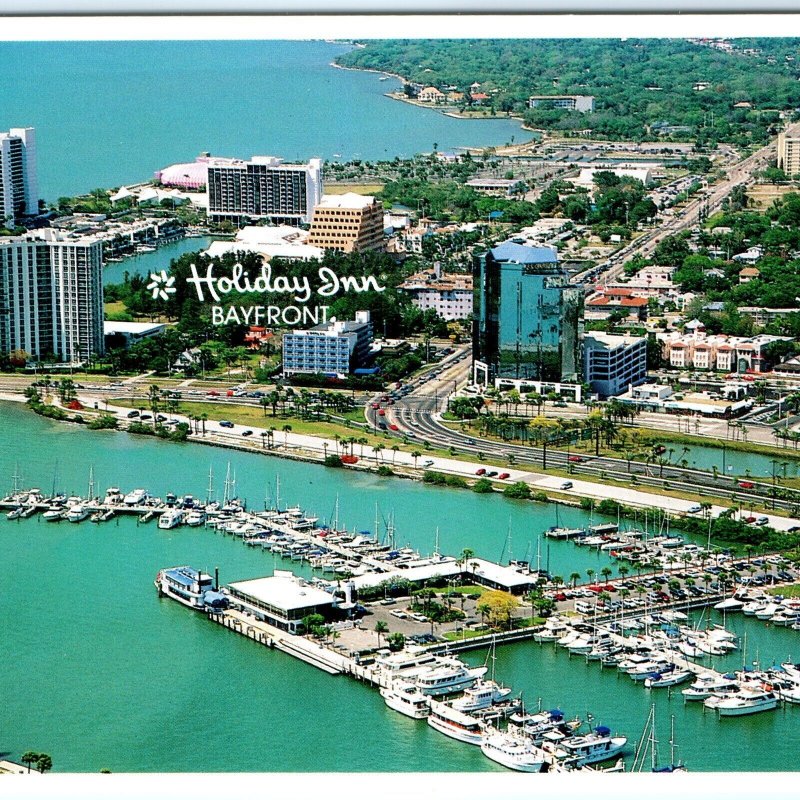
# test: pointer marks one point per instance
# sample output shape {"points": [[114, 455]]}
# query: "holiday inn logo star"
{"points": [[161, 285]]}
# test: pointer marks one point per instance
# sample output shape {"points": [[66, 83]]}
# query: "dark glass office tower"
{"points": [[527, 316]]}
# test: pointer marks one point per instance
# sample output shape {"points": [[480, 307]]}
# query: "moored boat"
{"points": [[514, 752], [407, 699], [455, 724]]}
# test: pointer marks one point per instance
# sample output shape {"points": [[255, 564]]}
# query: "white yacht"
{"points": [[171, 518], [456, 724], [448, 677], [77, 513], [514, 751], [15, 514], [483, 694], [194, 518], [136, 497], [553, 629], [729, 604], [407, 699], [710, 684], [750, 608], [786, 616], [668, 678], [54, 514], [768, 611], [590, 748], [748, 701]]}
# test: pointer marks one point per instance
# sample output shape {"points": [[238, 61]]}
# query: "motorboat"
{"points": [[514, 752], [448, 677], [767, 612], [171, 518], [77, 513], [710, 684], [590, 748], [729, 604], [483, 694], [15, 513], [553, 629], [194, 518], [54, 514], [455, 724], [748, 700], [136, 497], [407, 699], [667, 678]]}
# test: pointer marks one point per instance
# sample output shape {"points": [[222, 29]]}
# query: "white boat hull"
{"points": [[462, 735]]}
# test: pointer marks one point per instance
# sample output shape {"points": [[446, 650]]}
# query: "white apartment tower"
{"points": [[51, 296], [19, 189]]}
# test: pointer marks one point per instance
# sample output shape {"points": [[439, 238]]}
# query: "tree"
{"points": [[44, 763], [380, 628], [396, 641], [29, 757], [499, 607]]}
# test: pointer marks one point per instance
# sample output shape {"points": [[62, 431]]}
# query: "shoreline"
{"points": [[544, 483]]}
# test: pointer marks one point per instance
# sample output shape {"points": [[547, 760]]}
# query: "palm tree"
{"points": [[624, 570], [606, 573], [415, 454], [380, 628], [395, 449], [286, 429], [377, 449], [29, 757], [574, 578]]}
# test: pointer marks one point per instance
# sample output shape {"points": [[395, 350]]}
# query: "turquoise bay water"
{"points": [[145, 263], [109, 113], [101, 673]]}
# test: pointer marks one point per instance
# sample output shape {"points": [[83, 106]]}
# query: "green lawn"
{"points": [[787, 591]]}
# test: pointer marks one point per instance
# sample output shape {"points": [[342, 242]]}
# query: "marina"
{"points": [[245, 686]]}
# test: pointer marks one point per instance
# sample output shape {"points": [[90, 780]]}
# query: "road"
{"points": [[738, 174]]}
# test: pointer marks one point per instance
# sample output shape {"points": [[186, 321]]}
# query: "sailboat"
{"points": [[648, 744]]}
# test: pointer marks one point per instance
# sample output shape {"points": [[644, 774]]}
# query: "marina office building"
{"points": [[51, 295], [526, 317], [263, 188], [19, 188]]}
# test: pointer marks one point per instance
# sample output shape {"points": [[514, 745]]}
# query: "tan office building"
{"points": [[347, 222], [789, 150]]}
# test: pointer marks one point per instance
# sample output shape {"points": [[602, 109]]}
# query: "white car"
{"points": [[694, 508], [427, 463]]}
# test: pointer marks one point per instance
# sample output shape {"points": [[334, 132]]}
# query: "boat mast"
{"points": [[436, 542], [15, 476], [375, 537], [210, 490], [91, 483], [336, 514], [226, 495]]}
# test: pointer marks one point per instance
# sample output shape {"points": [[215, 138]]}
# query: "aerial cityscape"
{"points": [[459, 432]]}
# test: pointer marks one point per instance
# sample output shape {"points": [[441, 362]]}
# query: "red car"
{"points": [[393, 427], [575, 459], [375, 405], [213, 393], [746, 485], [480, 471], [381, 413], [559, 596], [609, 588], [503, 475]]}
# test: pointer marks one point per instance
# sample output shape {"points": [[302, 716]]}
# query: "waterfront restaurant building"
{"points": [[51, 295], [281, 600], [263, 188], [526, 323], [350, 223]]}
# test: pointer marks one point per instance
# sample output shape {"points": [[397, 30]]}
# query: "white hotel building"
{"points": [[51, 295]]}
